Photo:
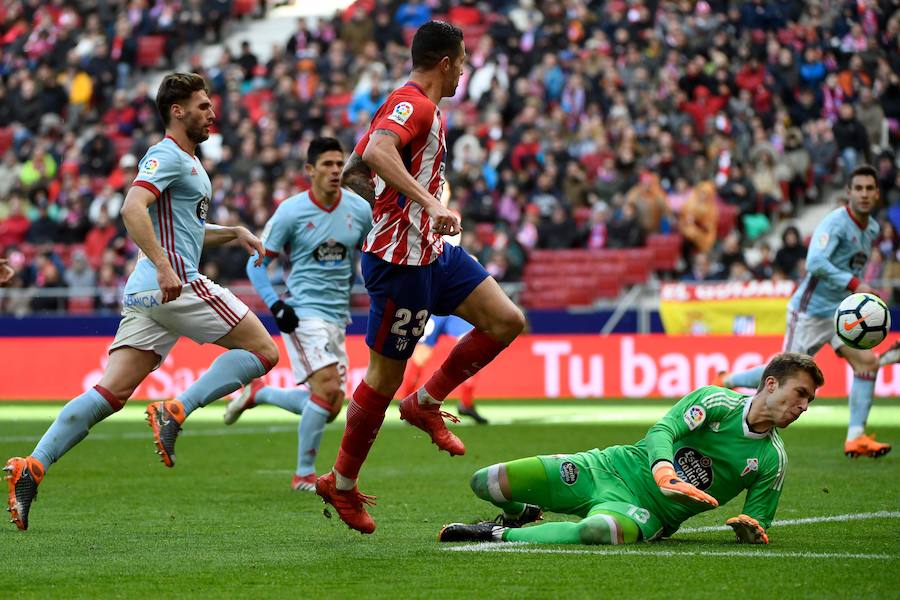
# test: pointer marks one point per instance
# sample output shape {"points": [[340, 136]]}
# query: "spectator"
{"points": [[792, 251], [558, 231], [851, 138], [625, 230], [699, 218], [871, 115], [79, 277]]}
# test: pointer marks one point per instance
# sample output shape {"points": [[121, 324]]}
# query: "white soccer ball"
{"points": [[862, 320]]}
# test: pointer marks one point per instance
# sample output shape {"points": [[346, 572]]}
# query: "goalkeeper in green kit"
{"points": [[713, 444]]}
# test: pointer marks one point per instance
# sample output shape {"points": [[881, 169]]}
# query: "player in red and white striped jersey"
{"points": [[409, 272]]}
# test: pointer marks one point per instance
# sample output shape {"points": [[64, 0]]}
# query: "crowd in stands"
{"points": [[580, 124]]}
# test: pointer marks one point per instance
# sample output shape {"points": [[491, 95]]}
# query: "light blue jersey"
{"points": [[319, 244], [837, 255], [182, 189]]}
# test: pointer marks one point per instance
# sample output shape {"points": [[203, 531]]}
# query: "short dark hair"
{"points": [[176, 88], [320, 146], [863, 171], [433, 41], [786, 364]]}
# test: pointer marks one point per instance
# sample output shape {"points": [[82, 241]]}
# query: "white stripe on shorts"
{"points": [[493, 481]]}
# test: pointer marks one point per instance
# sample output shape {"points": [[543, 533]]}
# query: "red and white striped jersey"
{"points": [[401, 231]]}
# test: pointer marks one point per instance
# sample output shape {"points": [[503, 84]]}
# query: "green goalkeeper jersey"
{"points": [[706, 437]]}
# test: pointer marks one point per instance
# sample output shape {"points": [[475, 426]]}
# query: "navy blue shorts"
{"points": [[403, 297], [450, 325]]}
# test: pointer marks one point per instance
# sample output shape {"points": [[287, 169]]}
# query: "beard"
{"points": [[196, 133]]}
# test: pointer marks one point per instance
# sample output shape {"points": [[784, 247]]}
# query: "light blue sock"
{"points": [[227, 373], [861, 392], [746, 379], [309, 437], [71, 426], [292, 400]]}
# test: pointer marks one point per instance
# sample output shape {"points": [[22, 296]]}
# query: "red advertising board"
{"points": [[535, 366]]}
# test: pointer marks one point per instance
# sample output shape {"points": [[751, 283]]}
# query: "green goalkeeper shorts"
{"points": [[580, 485]]}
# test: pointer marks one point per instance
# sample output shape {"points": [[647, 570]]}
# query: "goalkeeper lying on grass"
{"points": [[708, 448]]}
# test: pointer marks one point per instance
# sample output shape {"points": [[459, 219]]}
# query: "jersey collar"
{"points": [[413, 84], [854, 219], [179, 146], [747, 432], [315, 201]]}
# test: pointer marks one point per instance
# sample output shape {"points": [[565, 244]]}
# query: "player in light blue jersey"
{"points": [[837, 256], [165, 298], [316, 232]]}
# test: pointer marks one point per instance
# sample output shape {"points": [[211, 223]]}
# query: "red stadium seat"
{"points": [[727, 219], [80, 306], [243, 7], [150, 49], [6, 139]]}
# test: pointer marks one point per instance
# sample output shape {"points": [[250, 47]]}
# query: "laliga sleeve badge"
{"points": [[150, 166], [401, 113], [694, 417]]}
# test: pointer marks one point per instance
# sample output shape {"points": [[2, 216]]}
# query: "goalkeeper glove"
{"points": [[285, 317], [748, 530], [671, 485]]}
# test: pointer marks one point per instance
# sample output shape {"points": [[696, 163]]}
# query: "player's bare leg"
{"points": [[497, 322], [251, 354], [865, 365], [421, 356], [126, 369]]}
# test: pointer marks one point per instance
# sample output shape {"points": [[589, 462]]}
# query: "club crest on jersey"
{"points": [[150, 166], [752, 465], [822, 240], [568, 472], [402, 343], [401, 113], [203, 208], [694, 416]]}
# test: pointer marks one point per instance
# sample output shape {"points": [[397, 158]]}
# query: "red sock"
{"points": [[467, 393], [472, 352], [364, 418], [410, 380]]}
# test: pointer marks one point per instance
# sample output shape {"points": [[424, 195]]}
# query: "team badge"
{"points": [[150, 166], [752, 465], [694, 416], [401, 113], [568, 472]]}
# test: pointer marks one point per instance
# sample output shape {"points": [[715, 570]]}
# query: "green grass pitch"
{"points": [[111, 521]]}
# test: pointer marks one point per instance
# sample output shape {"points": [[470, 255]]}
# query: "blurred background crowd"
{"points": [[589, 124]]}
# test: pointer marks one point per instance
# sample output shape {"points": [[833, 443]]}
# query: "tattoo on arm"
{"points": [[358, 178]]}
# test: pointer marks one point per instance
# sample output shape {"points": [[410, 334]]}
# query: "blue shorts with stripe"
{"points": [[450, 325], [403, 297]]}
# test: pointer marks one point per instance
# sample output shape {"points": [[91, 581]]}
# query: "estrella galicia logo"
{"points": [[203, 208], [568, 472], [331, 252], [694, 467], [858, 261]]}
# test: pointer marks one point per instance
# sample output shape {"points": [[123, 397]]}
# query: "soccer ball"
{"points": [[862, 321]]}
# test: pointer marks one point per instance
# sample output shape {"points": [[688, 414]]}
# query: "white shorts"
{"points": [[314, 345], [204, 312], [807, 335]]}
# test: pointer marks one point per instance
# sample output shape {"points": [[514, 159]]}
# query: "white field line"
{"points": [[883, 514], [523, 548], [520, 548]]}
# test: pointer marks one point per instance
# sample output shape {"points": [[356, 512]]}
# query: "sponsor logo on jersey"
{"points": [[329, 253], [203, 208], [822, 240], [144, 299], [752, 465], [150, 166], [694, 467], [401, 113], [714, 426], [694, 416], [858, 261], [568, 472]]}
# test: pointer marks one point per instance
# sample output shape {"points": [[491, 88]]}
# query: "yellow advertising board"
{"points": [[725, 308]]}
